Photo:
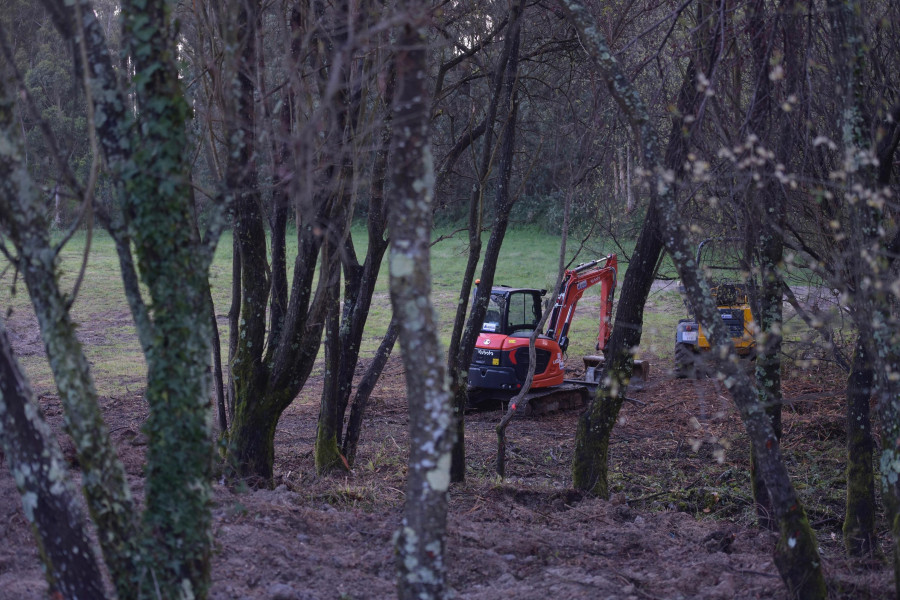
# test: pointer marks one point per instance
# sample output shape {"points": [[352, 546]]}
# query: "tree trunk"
{"points": [[268, 372], [859, 519], [421, 560], [365, 288], [590, 462], [330, 422], [766, 227], [359, 287], [629, 177], [174, 267], [871, 309], [462, 341], [519, 402], [796, 555], [105, 485], [49, 502], [234, 315], [364, 391]]}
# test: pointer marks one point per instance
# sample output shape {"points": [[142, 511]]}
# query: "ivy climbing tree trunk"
{"points": [[145, 155], [174, 265], [421, 559]]}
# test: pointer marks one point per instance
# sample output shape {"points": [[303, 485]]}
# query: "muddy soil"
{"points": [[680, 523]]}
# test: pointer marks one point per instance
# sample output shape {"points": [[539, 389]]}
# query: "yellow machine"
{"points": [[734, 307]]}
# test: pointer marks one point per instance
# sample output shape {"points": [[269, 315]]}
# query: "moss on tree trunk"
{"points": [[859, 517], [796, 556], [590, 464]]}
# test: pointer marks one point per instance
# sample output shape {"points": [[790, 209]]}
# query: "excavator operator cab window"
{"points": [[524, 311], [493, 318]]}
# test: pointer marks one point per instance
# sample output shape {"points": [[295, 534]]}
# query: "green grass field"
{"points": [[529, 259]]}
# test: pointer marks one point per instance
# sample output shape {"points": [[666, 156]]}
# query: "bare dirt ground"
{"points": [[679, 524]]}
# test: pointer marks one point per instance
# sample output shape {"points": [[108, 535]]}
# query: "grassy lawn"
{"points": [[529, 259]]}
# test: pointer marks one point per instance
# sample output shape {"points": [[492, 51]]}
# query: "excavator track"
{"points": [[570, 395], [544, 401]]}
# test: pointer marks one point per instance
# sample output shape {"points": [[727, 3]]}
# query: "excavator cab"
{"points": [[512, 309]]}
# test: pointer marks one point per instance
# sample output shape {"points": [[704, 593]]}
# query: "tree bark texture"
{"points": [[591, 458], [364, 392], [421, 560], [859, 518], [796, 555], [105, 486], [49, 502], [174, 266], [145, 156], [328, 429], [766, 227], [876, 348]]}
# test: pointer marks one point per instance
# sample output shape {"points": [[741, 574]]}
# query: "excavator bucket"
{"points": [[593, 364], [640, 371]]}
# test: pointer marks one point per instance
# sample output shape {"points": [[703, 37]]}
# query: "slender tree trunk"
{"points": [[278, 225], [871, 310], [364, 392], [234, 315], [462, 342], [421, 559], [328, 429], [590, 462], [377, 226], [49, 502], [767, 225], [859, 520], [218, 371], [105, 485], [629, 176], [796, 555], [517, 403]]}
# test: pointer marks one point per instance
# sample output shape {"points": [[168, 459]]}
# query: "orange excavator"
{"points": [[500, 361]]}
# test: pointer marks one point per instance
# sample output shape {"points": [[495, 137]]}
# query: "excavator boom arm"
{"points": [[574, 283]]}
